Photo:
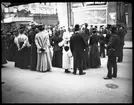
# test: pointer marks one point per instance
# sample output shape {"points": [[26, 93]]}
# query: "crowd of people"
{"points": [[42, 47]]}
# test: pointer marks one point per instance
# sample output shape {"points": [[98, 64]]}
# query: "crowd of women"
{"points": [[41, 47]]}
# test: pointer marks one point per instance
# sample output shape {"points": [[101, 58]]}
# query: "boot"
{"points": [[67, 71]]}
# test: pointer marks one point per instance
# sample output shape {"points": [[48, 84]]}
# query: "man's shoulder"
{"points": [[114, 36]]}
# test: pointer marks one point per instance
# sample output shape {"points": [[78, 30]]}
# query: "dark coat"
{"points": [[77, 43], [55, 41], [101, 39], [31, 35], [94, 39], [108, 35], [121, 34], [114, 43], [33, 50], [86, 34]]}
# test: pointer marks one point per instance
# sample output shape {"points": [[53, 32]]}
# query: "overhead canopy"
{"points": [[10, 4]]}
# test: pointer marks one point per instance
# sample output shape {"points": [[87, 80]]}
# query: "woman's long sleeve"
{"points": [[36, 42], [25, 43], [16, 42]]}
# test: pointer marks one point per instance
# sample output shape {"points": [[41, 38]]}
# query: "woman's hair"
{"points": [[21, 30], [41, 28], [94, 30]]}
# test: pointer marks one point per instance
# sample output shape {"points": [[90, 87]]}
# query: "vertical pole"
{"points": [[68, 17], [107, 13]]}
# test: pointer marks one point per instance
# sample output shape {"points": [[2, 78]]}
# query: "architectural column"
{"points": [[70, 14], [128, 36], [130, 15], [62, 14]]}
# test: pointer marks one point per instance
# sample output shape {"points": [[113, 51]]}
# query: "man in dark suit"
{"points": [[77, 46], [121, 33], [108, 35], [113, 52]]}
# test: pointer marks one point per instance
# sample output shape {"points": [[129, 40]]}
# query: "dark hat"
{"points": [[41, 27], [22, 27], [77, 27], [113, 28], [95, 26], [86, 24], [94, 30], [109, 25]]}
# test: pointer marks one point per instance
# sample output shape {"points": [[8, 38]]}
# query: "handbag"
{"points": [[66, 48]]}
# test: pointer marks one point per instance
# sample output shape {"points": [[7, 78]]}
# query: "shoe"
{"points": [[114, 76], [82, 73], [107, 77], [49, 70], [74, 73], [67, 71]]}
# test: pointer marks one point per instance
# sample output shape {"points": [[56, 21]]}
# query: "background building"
{"points": [[70, 13], [101, 13]]}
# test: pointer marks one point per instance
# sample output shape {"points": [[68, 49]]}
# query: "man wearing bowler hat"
{"points": [[77, 46]]}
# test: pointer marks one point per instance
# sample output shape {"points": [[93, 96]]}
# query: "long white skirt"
{"points": [[43, 62], [67, 60]]}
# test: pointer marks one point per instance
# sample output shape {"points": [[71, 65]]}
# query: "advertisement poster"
{"points": [[90, 16]]}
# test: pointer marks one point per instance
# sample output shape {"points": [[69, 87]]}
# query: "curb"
{"points": [[127, 47]]}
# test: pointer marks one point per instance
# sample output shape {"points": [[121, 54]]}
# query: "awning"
{"points": [[10, 4], [8, 20]]}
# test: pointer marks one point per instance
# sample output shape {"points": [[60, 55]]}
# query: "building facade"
{"points": [[100, 13]]}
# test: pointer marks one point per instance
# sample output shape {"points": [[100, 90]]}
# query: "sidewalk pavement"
{"points": [[26, 86], [128, 45]]}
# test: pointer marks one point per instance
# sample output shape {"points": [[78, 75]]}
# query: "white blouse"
{"points": [[22, 38]]}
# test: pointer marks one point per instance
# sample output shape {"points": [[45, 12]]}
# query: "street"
{"points": [[26, 86]]}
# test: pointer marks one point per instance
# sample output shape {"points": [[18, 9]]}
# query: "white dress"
{"points": [[67, 58], [43, 58]]}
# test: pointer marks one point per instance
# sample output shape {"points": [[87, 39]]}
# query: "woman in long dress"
{"points": [[33, 50], [94, 55], [57, 50], [22, 44], [43, 55]]}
